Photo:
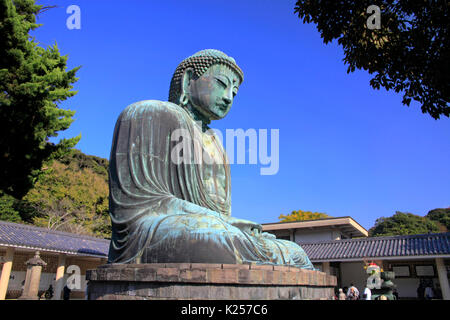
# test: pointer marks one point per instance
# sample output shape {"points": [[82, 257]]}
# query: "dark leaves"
{"points": [[33, 81], [408, 54]]}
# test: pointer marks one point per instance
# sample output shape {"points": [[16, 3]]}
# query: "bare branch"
{"points": [[43, 9]]}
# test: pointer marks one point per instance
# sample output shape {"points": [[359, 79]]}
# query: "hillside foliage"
{"points": [[441, 216], [402, 223], [71, 196]]}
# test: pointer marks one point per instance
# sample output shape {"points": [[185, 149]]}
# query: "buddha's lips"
{"points": [[223, 107]]}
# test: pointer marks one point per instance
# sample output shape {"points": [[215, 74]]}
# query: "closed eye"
{"points": [[222, 83]]}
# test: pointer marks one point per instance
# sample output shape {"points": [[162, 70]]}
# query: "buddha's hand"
{"points": [[268, 235], [249, 227]]}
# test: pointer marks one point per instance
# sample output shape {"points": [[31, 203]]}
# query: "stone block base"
{"points": [[207, 281]]}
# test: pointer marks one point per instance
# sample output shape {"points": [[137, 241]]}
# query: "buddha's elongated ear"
{"points": [[185, 81]]}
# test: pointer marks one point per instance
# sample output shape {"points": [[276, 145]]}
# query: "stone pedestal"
{"points": [[207, 281]]}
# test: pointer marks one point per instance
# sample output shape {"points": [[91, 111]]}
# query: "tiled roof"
{"points": [[25, 236], [19, 235], [394, 246]]}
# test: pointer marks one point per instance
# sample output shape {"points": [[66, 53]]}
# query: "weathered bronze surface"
{"points": [[164, 210]]}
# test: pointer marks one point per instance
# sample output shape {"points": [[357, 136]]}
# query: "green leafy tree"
{"points": [[442, 216], [33, 82], [301, 215], [409, 53], [70, 198], [403, 224], [8, 210]]}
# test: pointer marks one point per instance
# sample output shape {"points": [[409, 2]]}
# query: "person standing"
{"points": [[66, 293], [341, 295], [429, 292], [421, 291], [395, 293], [367, 294], [352, 293], [49, 293]]}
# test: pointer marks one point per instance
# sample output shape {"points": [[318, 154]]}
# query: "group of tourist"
{"points": [[425, 291], [352, 293]]}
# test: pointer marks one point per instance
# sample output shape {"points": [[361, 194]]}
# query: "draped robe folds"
{"points": [[162, 211]]}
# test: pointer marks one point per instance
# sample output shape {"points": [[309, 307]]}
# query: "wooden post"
{"points": [[6, 272], [443, 280], [59, 279], [326, 267]]}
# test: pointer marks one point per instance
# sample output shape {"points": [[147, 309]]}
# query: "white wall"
{"points": [[17, 278], [353, 272], [305, 236], [407, 287]]}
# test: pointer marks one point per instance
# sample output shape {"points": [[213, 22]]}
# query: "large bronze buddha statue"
{"points": [[166, 210]]}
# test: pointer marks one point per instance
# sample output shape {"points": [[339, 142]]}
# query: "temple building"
{"points": [[338, 246], [66, 256], [341, 247]]}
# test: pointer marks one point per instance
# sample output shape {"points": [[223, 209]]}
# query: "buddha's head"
{"points": [[206, 82]]}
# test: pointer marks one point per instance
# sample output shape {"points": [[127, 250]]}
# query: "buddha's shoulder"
{"points": [[152, 108]]}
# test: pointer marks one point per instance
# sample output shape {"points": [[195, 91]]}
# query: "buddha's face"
{"points": [[212, 94]]}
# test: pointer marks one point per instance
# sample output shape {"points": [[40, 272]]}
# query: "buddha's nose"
{"points": [[228, 97], [227, 100]]}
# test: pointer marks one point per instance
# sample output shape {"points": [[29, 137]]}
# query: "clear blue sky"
{"points": [[345, 149]]}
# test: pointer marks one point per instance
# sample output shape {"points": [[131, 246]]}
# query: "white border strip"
{"points": [[52, 250]]}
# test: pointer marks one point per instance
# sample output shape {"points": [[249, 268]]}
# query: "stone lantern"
{"points": [[33, 278]]}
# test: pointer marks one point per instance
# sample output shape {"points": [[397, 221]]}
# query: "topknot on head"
{"points": [[213, 53]]}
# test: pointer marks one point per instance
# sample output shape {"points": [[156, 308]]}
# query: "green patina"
{"points": [[168, 211]]}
